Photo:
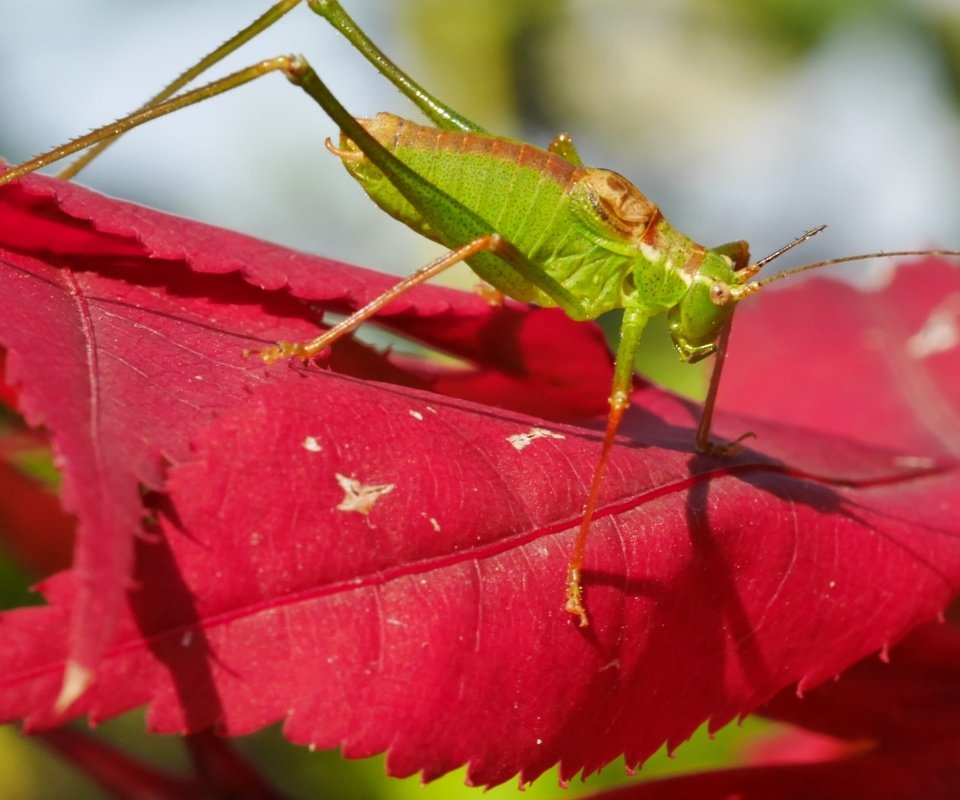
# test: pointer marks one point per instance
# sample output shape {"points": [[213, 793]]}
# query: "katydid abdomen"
{"points": [[591, 229]]}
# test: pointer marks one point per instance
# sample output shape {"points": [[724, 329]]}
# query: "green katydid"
{"points": [[536, 224]]}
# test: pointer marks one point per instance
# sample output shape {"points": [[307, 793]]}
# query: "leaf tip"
{"points": [[76, 680]]}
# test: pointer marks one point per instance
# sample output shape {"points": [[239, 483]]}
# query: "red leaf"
{"points": [[220, 772], [912, 699], [123, 372], [878, 367], [8, 395], [900, 719], [431, 625], [116, 771], [34, 528], [880, 776]]}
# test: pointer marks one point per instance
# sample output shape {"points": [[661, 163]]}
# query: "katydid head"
{"points": [[720, 282], [723, 278], [697, 320]]}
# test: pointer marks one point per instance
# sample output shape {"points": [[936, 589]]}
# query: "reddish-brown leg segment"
{"points": [[306, 350], [634, 321]]}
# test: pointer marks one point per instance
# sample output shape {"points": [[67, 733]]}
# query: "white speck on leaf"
{"points": [[433, 522], [187, 639], [914, 462], [312, 445], [360, 497], [255, 538], [416, 415], [940, 332], [522, 440]]}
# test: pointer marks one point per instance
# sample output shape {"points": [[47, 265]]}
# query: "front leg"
{"points": [[739, 253], [634, 321], [704, 445]]}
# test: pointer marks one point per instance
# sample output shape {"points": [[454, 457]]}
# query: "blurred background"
{"points": [[753, 119]]}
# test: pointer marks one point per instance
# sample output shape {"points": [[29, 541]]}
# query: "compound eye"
{"points": [[720, 293]]}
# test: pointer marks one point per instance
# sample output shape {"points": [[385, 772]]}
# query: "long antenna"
{"points": [[846, 259], [748, 272]]}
